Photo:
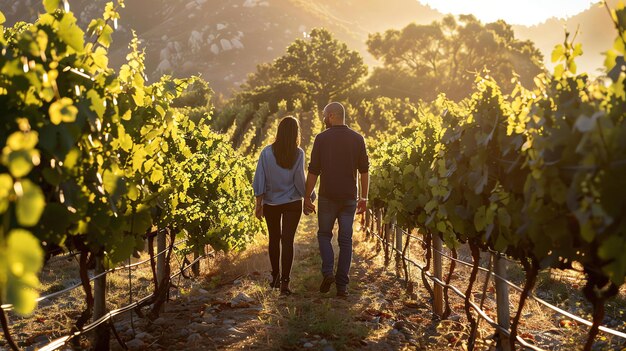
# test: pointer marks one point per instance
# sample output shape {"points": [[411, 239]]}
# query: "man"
{"points": [[338, 153]]}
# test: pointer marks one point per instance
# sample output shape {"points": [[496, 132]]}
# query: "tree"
{"points": [[327, 66], [446, 55], [196, 101], [313, 71]]}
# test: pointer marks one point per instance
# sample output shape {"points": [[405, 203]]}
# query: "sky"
{"points": [[525, 12]]}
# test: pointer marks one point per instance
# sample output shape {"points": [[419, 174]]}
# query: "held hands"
{"points": [[361, 206], [309, 207]]}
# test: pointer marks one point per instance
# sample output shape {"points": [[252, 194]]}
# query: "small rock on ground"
{"points": [[135, 344]]}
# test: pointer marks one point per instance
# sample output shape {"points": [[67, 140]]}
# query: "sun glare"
{"points": [[527, 12]]}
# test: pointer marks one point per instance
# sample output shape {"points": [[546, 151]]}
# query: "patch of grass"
{"points": [[559, 292], [327, 320], [53, 288]]}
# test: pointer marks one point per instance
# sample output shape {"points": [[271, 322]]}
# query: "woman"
{"points": [[279, 189]]}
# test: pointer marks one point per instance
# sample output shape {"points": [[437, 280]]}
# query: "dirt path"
{"points": [[232, 308]]}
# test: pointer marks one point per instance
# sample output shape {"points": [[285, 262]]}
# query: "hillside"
{"points": [[225, 40]]}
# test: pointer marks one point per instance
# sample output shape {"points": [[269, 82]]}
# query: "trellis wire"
{"points": [[500, 278]]}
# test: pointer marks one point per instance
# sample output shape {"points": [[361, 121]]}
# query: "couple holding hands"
{"points": [[280, 187]]}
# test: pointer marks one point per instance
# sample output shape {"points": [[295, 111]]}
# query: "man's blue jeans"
{"points": [[328, 212]]}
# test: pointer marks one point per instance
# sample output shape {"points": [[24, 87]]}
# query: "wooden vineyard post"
{"points": [[437, 271], [372, 224], [195, 268], [99, 307], [379, 223], [502, 300], [367, 224], [160, 258], [398, 245], [378, 228], [160, 266], [388, 232], [387, 236]]}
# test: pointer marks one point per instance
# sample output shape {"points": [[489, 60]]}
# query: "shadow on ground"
{"points": [[232, 308]]}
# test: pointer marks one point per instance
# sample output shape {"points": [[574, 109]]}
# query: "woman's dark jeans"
{"points": [[282, 222]]}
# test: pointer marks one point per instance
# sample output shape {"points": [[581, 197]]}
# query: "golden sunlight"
{"points": [[529, 12]]}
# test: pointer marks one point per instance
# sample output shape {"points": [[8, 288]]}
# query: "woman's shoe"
{"points": [[275, 283], [284, 288]]}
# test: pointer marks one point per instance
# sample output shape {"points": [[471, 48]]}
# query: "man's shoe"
{"points": [[342, 293], [326, 283]]}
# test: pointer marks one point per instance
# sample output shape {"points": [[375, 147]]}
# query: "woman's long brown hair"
{"points": [[285, 147]]}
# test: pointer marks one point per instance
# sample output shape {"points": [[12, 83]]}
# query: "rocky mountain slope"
{"points": [[224, 40]]}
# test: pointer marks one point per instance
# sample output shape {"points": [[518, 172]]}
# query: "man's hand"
{"points": [[361, 206], [258, 211], [309, 207]]}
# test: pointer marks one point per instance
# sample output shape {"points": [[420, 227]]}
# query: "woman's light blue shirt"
{"points": [[279, 185]]}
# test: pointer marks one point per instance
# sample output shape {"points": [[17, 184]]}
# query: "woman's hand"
{"points": [[258, 211], [309, 207]]}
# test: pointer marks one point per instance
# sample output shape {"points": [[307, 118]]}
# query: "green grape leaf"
{"points": [[30, 204], [109, 11], [616, 270], [97, 103], [110, 181], [156, 176], [127, 115], [56, 219], [20, 163], [558, 192], [104, 38], [139, 96], [147, 166], [100, 58], [160, 110], [23, 141], [71, 33], [587, 232], [93, 26], [62, 110], [122, 249], [571, 66], [610, 61], [578, 49], [480, 219], [51, 5], [441, 227], [20, 263], [612, 250], [52, 176], [501, 243], [6, 188], [133, 192], [126, 143], [558, 71], [503, 217], [139, 156], [558, 53]]}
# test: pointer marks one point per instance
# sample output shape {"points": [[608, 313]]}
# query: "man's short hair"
{"points": [[337, 109]]}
